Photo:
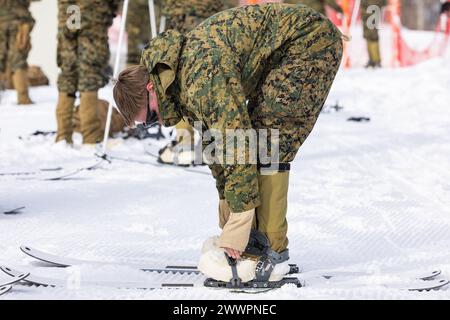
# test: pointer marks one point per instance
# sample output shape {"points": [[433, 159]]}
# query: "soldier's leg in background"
{"points": [[3, 55], [67, 59], [138, 29], [17, 60], [93, 61], [372, 37], [117, 123], [291, 99]]}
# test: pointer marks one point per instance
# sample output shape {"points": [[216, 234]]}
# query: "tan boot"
{"points": [[21, 84], [64, 113], [6, 79], [373, 48], [90, 123], [271, 214]]}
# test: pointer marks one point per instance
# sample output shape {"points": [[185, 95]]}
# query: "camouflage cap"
{"points": [[161, 57]]}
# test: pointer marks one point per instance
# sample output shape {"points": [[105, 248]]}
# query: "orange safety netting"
{"points": [[404, 55]]}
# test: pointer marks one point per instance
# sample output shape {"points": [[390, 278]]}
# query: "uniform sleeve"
{"points": [[221, 104], [333, 4]]}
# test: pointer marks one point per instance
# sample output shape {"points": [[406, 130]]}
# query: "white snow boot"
{"points": [[263, 268], [177, 154]]}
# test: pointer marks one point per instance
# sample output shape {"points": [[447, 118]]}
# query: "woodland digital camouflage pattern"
{"points": [[12, 14], [318, 5], [370, 34], [83, 54], [185, 15], [281, 58]]}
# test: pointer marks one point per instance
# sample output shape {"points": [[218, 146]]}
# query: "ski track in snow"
{"points": [[364, 197]]}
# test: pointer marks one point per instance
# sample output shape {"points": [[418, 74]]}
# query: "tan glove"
{"points": [[23, 37], [236, 232]]}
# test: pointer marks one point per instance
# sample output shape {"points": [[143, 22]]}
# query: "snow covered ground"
{"points": [[371, 197]]}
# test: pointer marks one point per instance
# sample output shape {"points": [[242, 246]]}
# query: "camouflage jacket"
{"points": [[198, 8], [318, 5], [16, 11], [208, 74], [92, 11]]}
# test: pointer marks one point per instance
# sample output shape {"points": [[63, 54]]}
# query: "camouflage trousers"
{"points": [[10, 57], [183, 23], [289, 99], [370, 32], [291, 96], [317, 5], [138, 29], [83, 56]]}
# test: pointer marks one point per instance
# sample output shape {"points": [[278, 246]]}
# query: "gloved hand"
{"points": [[23, 36], [236, 233]]}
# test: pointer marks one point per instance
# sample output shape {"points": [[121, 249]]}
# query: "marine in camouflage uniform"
{"points": [[371, 32], [183, 16], [318, 5], [83, 57], [16, 24], [138, 28], [283, 60]]}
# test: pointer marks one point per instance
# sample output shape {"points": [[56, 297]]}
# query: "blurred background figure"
{"points": [[318, 5], [83, 57], [138, 28], [16, 24], [371, 26], [445, 9]]}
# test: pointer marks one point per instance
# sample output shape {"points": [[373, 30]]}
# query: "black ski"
{"points": [[30, 173], [5, 289], [14, 211]]}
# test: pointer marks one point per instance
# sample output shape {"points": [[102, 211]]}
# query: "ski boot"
{"points": [[269, 268], [176, 153]]}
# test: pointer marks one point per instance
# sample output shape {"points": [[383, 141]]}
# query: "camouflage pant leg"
{"points": [[292, 96], [138, 29], [4, 39], [9, 55], [183, 23], [93, 58], [67, 60]]}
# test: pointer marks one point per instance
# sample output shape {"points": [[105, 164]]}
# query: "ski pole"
{"points": [[116, 73], [151, 8]]}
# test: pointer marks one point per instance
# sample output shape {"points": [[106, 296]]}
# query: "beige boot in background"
{"points": [[64, 113], [90, 123], [271, 214], [21, 85], [373, 48]]}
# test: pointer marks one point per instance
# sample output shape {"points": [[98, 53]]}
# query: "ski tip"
{"points": [[14, 272], [5, 289]]}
